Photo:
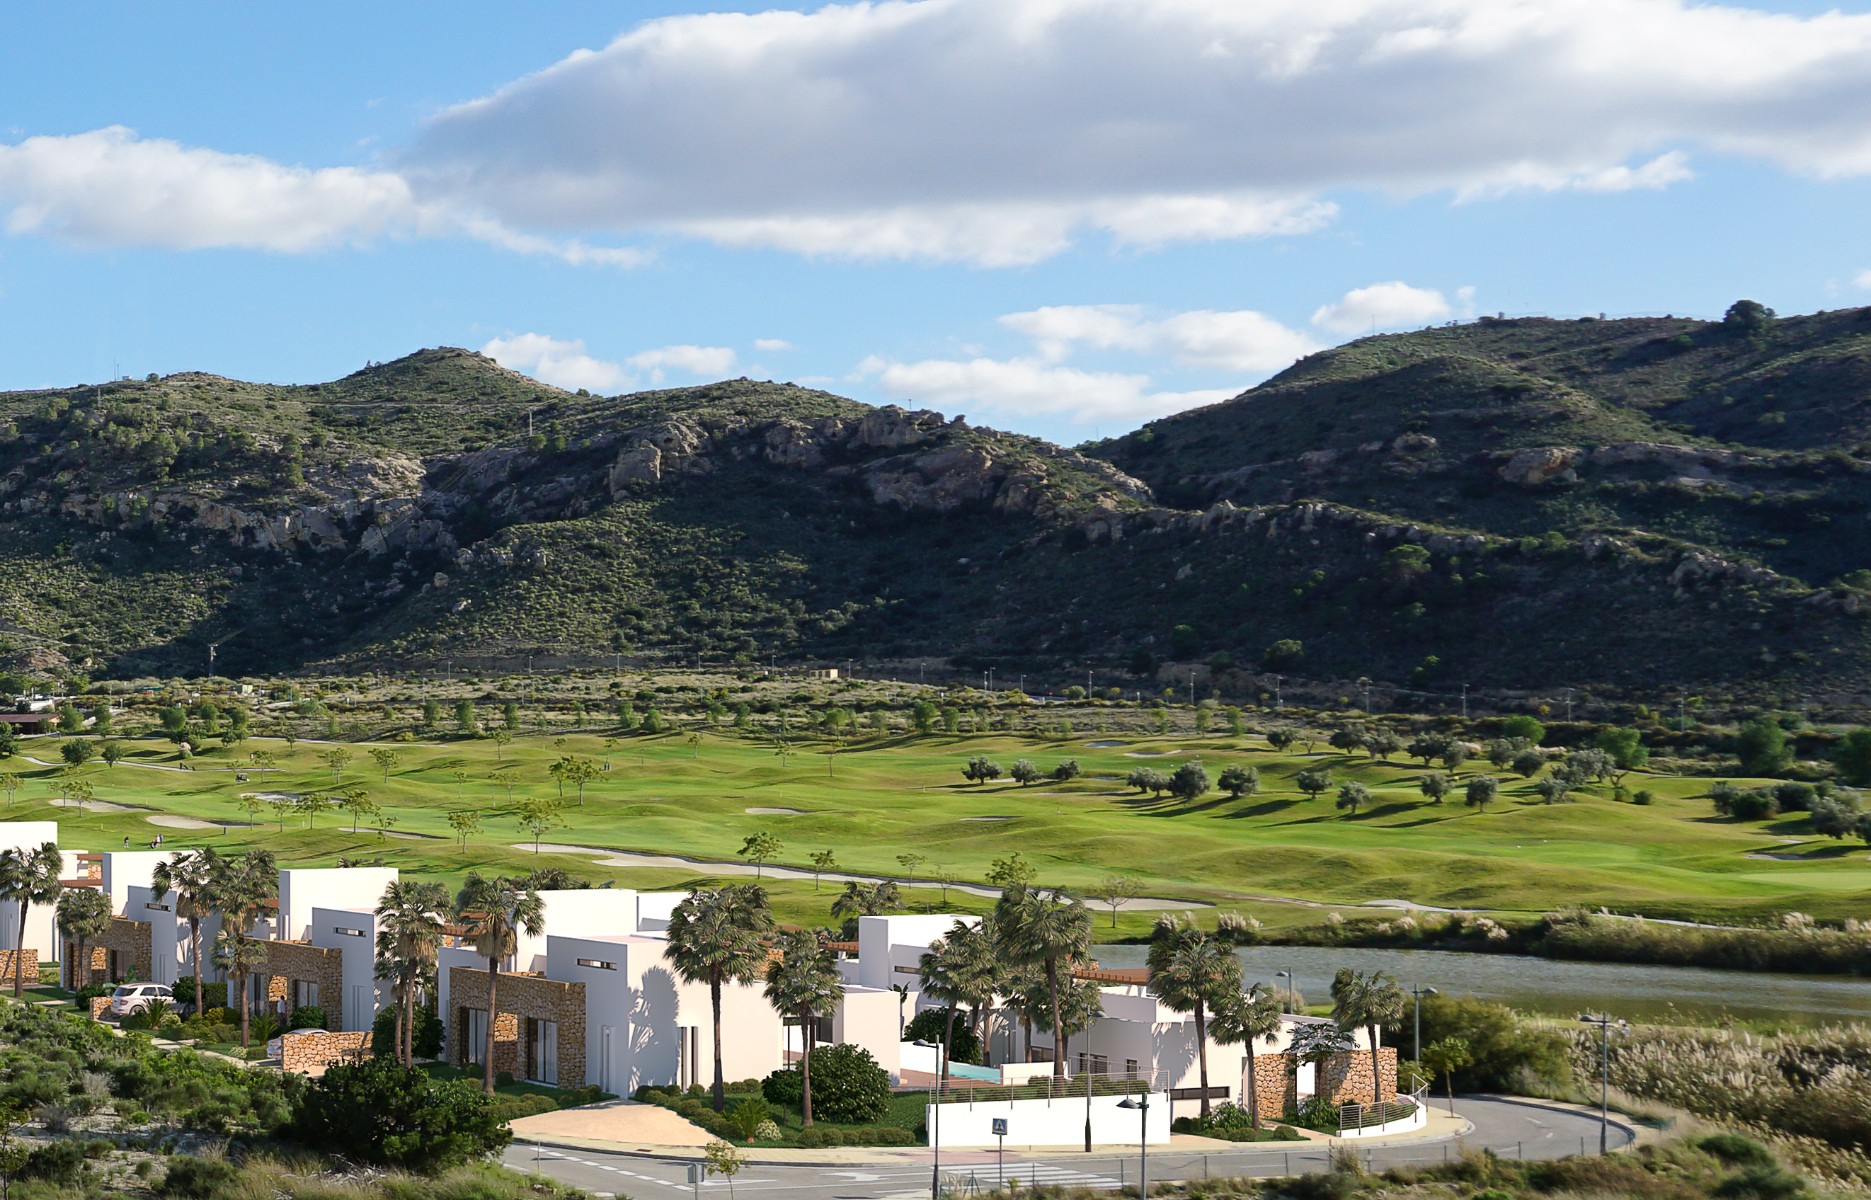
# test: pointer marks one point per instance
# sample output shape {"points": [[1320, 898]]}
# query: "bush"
{"points": [[848, 1087], [748, 1114], [382, 1113], [1736, 1150], [507, 1109], [307, 1016], [81, 999], [56, 1162], [930, 1024], [785, 1087], [193, 1178], [428, 1039], [1508, 1053]]}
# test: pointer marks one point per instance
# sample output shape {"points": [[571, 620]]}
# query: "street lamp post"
{"points": [[1419, 993], [1142, 1107], [1606, 1024], [1292, 993]]}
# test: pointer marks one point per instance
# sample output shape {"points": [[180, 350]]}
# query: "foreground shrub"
{"points": [[785, 1087], [1507, 1052], [379, 1112], [848, 1087]]}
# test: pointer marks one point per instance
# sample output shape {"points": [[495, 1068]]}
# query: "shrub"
{"points": [[192, 1178], [307, 1016], [930, 1025], [1736, 1150], [1507, 1051], [394, 1116], [785, 1087], [428, 1039], [848, 1087], [56, 1162], [507, 1109], [748, 1115]]}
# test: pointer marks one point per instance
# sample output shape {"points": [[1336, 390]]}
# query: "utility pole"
{"points": [[1464, 702], [1276, 690], [1568, 706], [1192, 689]]}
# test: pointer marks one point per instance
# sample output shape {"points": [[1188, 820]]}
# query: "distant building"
{"points": [[823, 673]]}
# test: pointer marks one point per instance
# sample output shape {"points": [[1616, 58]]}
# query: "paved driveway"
{"points": [[1509, 1128]]}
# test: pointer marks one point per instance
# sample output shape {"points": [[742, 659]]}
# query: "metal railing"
{"points": [[1354, 1117], [1050, 1087]]}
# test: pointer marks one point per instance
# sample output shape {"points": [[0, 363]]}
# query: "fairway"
{"points": [[1276, 854]]}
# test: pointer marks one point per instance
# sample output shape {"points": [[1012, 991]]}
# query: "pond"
{"points": [[1562, 988]]}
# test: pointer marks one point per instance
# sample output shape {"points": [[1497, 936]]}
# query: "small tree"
{"points": [[467, 721], [1281, 739], [77, 752], [465, 823], [1113, 890], [83, 917], [721, 1158], [1434, 785], [1013, 871], [1189, 781], [111, 753], [911, 862], [381, 1112], [337, 758], [1445, 1057], [1761, 745], [1024, 772], [1625, 746], [822, 861], [1352, 796], [1481, 791], [1240, 781], [758, 848], [386, 760], [1067, 771], [1314, 782], [980, 769], [537, 816], [1528, 763]]}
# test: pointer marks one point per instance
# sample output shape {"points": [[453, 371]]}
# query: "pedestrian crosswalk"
{"points": [[992, 1177]]}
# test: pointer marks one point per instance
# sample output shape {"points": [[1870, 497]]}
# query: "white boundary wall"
{"points": [[1414, 1121], [1048, 1122]]}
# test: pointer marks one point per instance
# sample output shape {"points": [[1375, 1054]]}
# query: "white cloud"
{"points": [[1862, 279], [772, 345], [1241, 341], [703, 362], [559, 362], [109, 187], [1040, 384], [1000, 131], [1385, 306], [1021, 388]]}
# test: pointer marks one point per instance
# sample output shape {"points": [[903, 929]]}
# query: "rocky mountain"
{"points": [[1514, 504]]}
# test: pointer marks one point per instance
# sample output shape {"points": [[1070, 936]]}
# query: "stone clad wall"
{"points": [[24, 963], [316, 965], [130, 939], [306, 1051], [1343, 1078], [521, 998]]}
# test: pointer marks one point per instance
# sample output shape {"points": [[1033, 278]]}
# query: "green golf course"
{"points": [[1276, 854]]}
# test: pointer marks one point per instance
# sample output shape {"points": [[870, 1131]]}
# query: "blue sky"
{"points": [[1059, 216]]}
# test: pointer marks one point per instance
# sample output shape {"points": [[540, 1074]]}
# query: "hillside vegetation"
{"points": [[1632, 506]]}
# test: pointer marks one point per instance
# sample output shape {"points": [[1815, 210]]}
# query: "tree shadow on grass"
{"points": [[1264, 808]]}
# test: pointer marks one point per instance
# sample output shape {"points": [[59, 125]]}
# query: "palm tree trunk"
{"points": [[401, 1027], [493, 1013], [1058, 1020], [942, 1059], [19, 950], [714, 999], [1377, 1091], [1253, 1086], [1201, 1049], [82, 963], [810, 1029], [240, 981], [194, 958]]}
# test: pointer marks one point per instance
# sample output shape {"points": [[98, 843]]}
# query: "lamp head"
{"points": [[1128, 1102]]}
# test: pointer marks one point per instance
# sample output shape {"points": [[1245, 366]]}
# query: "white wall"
{"points": [[655, 908], [303, 889], [576, 912], [41, 931], [886, 943], [125, 869], [1049, 1123], [364, 993], [868, 1018]]}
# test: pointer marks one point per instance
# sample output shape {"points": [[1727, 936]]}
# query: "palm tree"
{"points": [[1368, 1000], [411, 920], [83, 916], [1081, 1003], [804, 983], [865, 900], [1242, 1019], [716, 937], [1048, 930], [495, 911], [1192, 972], [239, 889], [190, 875], [945, 975], [977, 974], [28, 877]]}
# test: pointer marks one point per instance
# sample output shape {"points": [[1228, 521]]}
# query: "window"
{"points": [[598, 964], [1130, 1068], [157, 907], [347, 932]]}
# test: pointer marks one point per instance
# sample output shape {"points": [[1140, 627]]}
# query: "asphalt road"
{"points": [[1509, 1129]]}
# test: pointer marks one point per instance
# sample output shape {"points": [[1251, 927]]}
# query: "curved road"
{"points": [[1510, 1129]]}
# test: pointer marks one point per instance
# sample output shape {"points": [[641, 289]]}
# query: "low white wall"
{"points": [[1414, 1121], [1048, 1123]]}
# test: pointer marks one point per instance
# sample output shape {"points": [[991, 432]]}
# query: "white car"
{"points": [[276, 1048], [132, 998]]}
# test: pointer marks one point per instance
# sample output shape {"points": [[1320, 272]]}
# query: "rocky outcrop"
{"points": [[1541, 464]]}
